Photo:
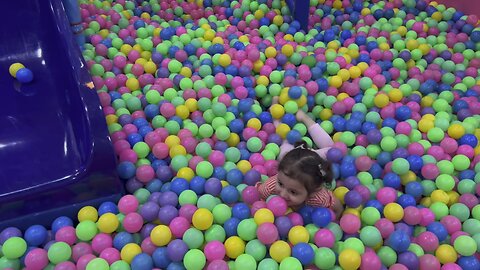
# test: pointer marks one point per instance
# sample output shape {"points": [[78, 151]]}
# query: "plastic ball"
{"points": [[349, 259], [24, 75]]}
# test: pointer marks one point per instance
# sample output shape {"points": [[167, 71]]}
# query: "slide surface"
{"points": [[54, 146]]}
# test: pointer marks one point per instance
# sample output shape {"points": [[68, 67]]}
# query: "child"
{"points": [[303, 173]]}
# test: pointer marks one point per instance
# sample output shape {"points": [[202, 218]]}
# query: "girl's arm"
{"points": [[319, 136], [268, 188]]}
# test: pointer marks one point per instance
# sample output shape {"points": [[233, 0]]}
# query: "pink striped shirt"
{"points": [[321, 198]]}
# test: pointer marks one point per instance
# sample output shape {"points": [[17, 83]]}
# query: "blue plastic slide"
{"points": [[55, 152]]}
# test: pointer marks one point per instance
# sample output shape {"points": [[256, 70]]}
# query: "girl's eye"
{"points": [[293, 192], [280, 184]]}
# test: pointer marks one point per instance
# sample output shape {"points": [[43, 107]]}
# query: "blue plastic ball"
{"points": [[241, 211], [35, 235], [304, 253], [24, 75], [321, 216]]}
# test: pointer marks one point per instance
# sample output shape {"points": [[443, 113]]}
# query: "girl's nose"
{"points": [[283, 194]]}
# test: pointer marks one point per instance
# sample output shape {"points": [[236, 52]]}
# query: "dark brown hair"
{"points": [[306, 166]]}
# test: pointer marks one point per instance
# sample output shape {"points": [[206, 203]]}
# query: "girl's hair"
{"points": [[306, 166]]}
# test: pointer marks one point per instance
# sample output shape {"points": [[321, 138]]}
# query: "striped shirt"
{"points": [[320, 198]]}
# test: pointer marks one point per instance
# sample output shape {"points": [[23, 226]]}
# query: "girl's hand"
{"points": [[274, 100]]}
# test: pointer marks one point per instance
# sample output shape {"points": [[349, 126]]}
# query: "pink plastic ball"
{"points": [[214, 250], [428, 241], [36, 259], [128, 204], [178, 226], [187, 211], [427, 216], [398, 266], [110, 254], [412, 215], [296, 219], [403, 128], [451, 223], [324, 238], [430, 171], [385, 227], [84, 260], [363, 163], [451, 266], [370, 261], [145, 173], [350, 223], [267, 233], [101, 241], [216, 158], [160, 150], [66, 234], [65, 266], [449, 145], [250, 195], [470, 200], [386, 195], [148, 246], [256, 206], [80, 249], [132, 222], [277, 205], [429, 262], [218, 265]]}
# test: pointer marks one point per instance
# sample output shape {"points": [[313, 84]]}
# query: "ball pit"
{"points": [[186, 89]]}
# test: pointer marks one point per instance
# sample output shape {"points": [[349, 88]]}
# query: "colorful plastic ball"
{"points": [[399, 241], [59, 252], [35, 235], [267, 233], [14, 68], [234, 247], [24, 75], [161, 235], [279, 250], [14, 248], [324, 238], [465, 245], [350, 223], [290, 263], [194, 259], [321, 216], [370, 236], [393, 212], [298, 234], [349, 259]]}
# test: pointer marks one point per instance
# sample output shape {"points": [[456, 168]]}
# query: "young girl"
{"points": [[304, 174]]}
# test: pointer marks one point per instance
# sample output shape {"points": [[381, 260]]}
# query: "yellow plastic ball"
{"points": [[111, 119], [186, 71], [342, 96], [325, 114], [453, 197], [161, 235], [363, 66], [233, 139], [412, 44], [108, 223], [182, 111], [87, 213], [209, 35], [287, 50], [224, 183], [14, 68], [270, 52], [439, 196], [202, 219], [425, 125], [278, 20], [263, 80], [217, 40], [288, 37], [254, 123], [244, 166], [172, 140], [336, 81], [408, 177], [224, 60], [393, 212], [344, 74], [446, 254], [381, 100], [282, 130], [129, 251], [395, 95], [280, 250], [132, 84], [426, 101], [234, 247], [150, 67], [349, 259], [263, 215], [283, 98], [191, 104], [258, 65], [340, 192], [427, 201], [142, 61], [177, 150], [384, 46], [301, 101], [298, 234], [456, 131], [352, 211], [186, 173]]}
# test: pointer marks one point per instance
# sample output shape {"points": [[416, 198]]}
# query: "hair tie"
{"points": [[322, 171]]}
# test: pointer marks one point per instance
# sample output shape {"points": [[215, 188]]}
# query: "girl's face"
{"points": [[292, 190]]}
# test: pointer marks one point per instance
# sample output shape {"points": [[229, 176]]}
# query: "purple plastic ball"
{"points": [[176, 250]]}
